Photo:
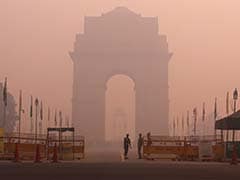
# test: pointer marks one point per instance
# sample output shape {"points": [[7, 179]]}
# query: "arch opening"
{"points": [[120, 108]]}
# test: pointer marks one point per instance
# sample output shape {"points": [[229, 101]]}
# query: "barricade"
{"points": [[25, 151], [68, 148], [184, 148]]}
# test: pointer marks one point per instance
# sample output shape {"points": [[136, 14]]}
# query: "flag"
{"points": [[5, 92], [40, 127], [31, 107], [49, 114], [215, 109], [20, 102], [195, 121], [203, 112], [41, 111], [55, 118], [195, 113], [60, 118], [174, 126], [188, 123], [227, 103]]}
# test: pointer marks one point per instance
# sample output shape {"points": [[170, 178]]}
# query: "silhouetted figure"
{"points": [[140, 145], [127, 145], [149, 144]]}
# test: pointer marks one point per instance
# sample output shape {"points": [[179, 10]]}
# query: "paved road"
{"points": [[106, 166], [119, 171]]}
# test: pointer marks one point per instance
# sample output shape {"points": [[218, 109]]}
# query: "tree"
{"points": [[11, 114]]}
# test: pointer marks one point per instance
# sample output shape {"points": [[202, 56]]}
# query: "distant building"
{"points": [[120, 42]]}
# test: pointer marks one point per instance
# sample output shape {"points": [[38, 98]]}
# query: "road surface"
{"points": [[105, 166]]}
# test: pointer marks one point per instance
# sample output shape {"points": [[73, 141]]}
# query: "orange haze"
{"points": [[36, 36]]}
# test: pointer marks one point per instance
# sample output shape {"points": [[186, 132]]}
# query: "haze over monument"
{"points": [[119, 89], [120, 42], [36, 37]]}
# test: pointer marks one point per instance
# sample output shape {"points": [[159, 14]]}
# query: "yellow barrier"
{"points": [[181, 152], [26, 151], [180, 149], [69, 149], [69, 152]]}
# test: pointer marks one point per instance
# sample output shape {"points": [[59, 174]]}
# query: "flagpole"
{"points": [[195, 121], [177, 127], [20, 115], [41, 118], [183, 134], [31, 115], [4, 102], [48, 120], [227, 111], [203, 118], [4, 115], [60, 133], [188, 131], [36, 120], [215, 117], [55, 118], [174, 127]]}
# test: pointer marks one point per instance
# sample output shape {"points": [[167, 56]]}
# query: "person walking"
{"points": [[127, 145], [149, 144], [140, 145]]}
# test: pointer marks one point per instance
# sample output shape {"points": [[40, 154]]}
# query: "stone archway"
{"points": [[120, 42], [120, 108]]}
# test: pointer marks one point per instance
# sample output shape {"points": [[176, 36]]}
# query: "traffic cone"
{"points": [[16, 154], [37, 155], [234, 155], [55, 154]]}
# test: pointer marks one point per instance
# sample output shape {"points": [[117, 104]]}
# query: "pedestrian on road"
{"points": [[140, 145], [127, 145], [149, 144]]}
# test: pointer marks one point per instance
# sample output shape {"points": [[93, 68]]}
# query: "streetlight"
{"points": [[234, 151], [235, 98], [36, 105]]}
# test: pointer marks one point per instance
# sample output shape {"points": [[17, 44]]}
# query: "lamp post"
{"points": [[36, 121], [235, 98], [234, 150]]}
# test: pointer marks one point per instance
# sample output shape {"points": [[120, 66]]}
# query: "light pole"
{"points": [[234, 150], [36, 121], [235, 98]]}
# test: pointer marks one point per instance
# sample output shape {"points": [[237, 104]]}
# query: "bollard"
{"points": [[234, 155], [55, 154], [37, 155], [16, 154]]}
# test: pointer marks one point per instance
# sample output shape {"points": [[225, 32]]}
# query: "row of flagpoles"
{"points": [[180, 129], [36, 107]]}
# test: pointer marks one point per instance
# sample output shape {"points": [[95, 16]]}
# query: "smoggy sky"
{"points": [[36, 36]]}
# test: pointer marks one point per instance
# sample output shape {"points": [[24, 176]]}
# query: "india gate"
{"points": [[120, 42]]}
